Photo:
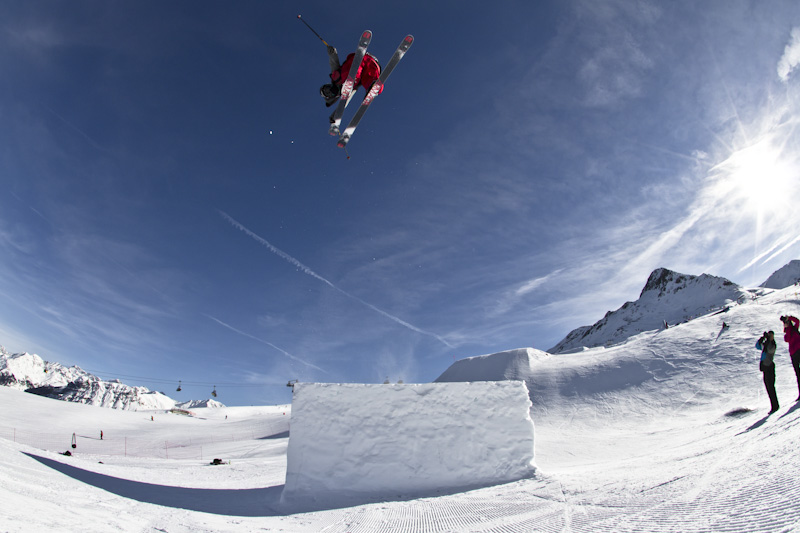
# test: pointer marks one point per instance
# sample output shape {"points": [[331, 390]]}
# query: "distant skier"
{"points": [[792, 336], [767, 346], [368, 73]]}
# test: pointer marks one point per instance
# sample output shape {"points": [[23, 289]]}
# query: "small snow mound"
{"points": [[503, 366]]}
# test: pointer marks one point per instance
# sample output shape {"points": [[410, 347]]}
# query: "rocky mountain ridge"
{"points": [[667, 298], [31, 373]]}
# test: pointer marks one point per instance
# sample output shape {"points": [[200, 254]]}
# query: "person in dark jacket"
{"points": [[792, 336], [767, 366]]}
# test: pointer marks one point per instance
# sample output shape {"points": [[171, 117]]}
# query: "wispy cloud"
{"points": [[284, 352], [82, 289], [79, 131], [783, 249], [781, 242], [531, 285], [513, 296], [308, 271], [791, 56], [615, 69]]}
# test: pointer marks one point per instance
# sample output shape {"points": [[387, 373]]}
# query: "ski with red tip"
{"points": [[374, 90], [349, 86]]}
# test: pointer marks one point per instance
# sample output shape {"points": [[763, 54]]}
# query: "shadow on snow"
{"points": [[231, 502], [235, 502]]}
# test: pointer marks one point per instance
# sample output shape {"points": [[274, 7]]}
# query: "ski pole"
{"points": [[300, 17]]}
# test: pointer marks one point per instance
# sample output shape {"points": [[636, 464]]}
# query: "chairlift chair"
{"points": [[179, 386], [214, 392]]}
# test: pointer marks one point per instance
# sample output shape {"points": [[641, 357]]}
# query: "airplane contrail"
{"points": [[306, 270], [284, 352]]}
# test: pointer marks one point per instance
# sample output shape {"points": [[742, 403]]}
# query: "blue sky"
{"points": [[172, 207]]}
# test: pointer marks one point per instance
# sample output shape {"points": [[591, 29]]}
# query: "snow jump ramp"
{"points": [[354, 442]]}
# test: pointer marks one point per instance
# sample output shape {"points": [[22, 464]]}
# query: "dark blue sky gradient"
{"points": [[526, 168]]}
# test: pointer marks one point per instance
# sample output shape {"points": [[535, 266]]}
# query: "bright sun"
{"points": [[757, 173]]}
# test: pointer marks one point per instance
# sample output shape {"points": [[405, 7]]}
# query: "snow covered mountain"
{"points": [[789, 274], [651, 367], [667, 297], [31, 373]]}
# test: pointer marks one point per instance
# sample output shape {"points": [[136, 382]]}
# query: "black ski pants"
{"points": [[796, 365], [769, 383]]}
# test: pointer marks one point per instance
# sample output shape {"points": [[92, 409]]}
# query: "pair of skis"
{"points": [[349, 87]]}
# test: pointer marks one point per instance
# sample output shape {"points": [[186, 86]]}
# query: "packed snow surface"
{"points": [[380, 441], [509, 365], [668, 431]]}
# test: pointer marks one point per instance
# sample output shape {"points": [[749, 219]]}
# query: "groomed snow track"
{"points": [[737, 476], [539, 506], [734, 474]]}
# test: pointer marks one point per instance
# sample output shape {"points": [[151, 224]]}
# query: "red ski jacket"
{"points": [[368, 72], [792, 335]]}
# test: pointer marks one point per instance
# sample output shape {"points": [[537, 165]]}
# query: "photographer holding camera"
{"points": [[767, 366], [792, 336]]}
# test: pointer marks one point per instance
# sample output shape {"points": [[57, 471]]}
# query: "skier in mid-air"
{"points": [[359, 68], [368, 73]]}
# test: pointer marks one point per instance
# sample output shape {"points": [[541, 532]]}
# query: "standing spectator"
{"points": [[767, 366], [792, 336]]}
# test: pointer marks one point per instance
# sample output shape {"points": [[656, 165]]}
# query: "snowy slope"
{"points": [[666, 432], [29, 372], [651, 370], [789, 274], [667, 296]]}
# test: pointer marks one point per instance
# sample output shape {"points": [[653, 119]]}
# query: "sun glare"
{"points": [[757, 173]]}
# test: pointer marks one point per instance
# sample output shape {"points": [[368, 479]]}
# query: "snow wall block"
{"points": [[389, 441]]}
